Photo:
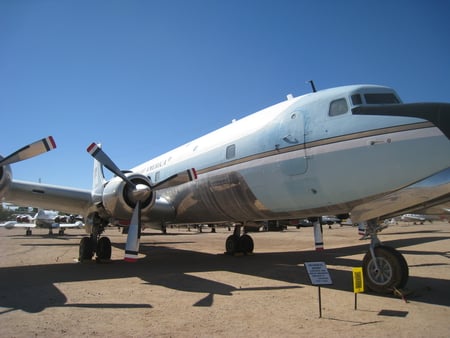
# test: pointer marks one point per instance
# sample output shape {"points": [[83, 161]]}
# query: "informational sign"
{"points": [[318, 273], [358, 280]]}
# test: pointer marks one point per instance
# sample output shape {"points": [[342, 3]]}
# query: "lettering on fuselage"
{"points": [[157, 165]]}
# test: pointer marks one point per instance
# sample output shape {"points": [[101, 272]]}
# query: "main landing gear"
{"points": [[385, 269], [60, 232], [102, 248], [237, 243], [95, 244]]}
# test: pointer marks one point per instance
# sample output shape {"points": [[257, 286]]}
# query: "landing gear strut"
{"points": [[237, 243], [384, 268], [94, 243]]}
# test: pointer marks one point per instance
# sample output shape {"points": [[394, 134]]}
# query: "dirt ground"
{"points": [[184, 286]]}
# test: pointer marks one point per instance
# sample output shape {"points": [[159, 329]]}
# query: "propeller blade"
{"points": [[134, 235], [96, 152], [180, 178], [31, 150]]}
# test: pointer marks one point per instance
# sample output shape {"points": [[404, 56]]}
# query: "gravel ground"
{"points": [[184, 286]]}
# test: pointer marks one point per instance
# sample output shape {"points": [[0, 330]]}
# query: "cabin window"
{"points": [[381, 98], [356, 99], [231, 151], [157, 174], [338, 107]]}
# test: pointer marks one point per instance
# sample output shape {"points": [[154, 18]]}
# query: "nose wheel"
{"points": [[386, 271]]}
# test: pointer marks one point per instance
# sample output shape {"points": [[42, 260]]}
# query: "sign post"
{"points": [[319, 275], [358, 283]]}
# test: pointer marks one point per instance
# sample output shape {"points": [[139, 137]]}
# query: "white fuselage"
{"points": [[296, 159], [307, 156]]}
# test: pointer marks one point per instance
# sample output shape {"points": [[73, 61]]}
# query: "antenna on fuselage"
{"points": [[311, 82]]}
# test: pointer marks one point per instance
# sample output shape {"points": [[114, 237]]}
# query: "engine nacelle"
{"points": [[118, 198], [5, 178], [24, 219]]}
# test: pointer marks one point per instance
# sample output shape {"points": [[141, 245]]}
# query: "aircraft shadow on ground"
{"points": [[32, 289]]}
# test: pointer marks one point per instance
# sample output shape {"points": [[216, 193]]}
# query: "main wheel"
{"points": [[104, 248], [392, 270], [86, 250], [232, 244], [246, 244]]}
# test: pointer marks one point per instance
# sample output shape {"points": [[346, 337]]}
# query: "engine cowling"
{"points": [[119, 198], [5, 179]]}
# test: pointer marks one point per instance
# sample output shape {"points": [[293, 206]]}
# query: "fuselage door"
{"points": [[292, 143]]}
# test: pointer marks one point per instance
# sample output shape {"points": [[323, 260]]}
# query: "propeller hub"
{"points": [[139, 193]]}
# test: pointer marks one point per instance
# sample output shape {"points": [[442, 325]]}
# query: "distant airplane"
{"points": [[331, 152], [48, 219], [418, 218]]}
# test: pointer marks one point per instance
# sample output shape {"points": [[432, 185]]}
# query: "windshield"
{"points": [[382, 98]]}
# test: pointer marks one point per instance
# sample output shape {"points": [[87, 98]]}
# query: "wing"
{"points": [[429, 196], [64, 199], [13, 224], [77, 225]]}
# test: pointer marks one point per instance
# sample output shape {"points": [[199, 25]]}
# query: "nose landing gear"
{"points": [[385, 269]]}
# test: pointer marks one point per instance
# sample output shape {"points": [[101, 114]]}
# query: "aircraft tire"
{"points": [[404, 264], [28, 232], [104, 248], [246, 244], [232, 245], [86, 251], [393, 272]]}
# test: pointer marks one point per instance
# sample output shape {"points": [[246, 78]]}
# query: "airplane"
{"points": [[48, 219], [416, 218], [338, 151]]}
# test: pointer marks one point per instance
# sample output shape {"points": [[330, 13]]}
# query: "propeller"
{"points": [[137, 193], [31, 150], [96, 152], [134, 235]]}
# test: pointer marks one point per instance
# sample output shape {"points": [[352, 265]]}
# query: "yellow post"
{"points": [[358, 283]]}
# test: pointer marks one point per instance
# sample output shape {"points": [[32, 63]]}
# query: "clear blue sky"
{"points": [[142, 77]]}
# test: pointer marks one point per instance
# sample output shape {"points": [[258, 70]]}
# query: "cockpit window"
{"points": [[383, 98], [356, 99], [338, 107]]}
